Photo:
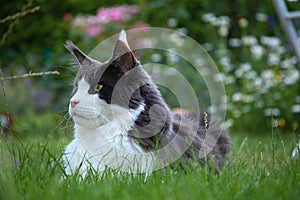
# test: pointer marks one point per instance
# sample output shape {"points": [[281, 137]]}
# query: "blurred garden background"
{"points": [[244, 38]]}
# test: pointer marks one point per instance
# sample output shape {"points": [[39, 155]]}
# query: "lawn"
{"points": [[261, 168], [245, 41]]}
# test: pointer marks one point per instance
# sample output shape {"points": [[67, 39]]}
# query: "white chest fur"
{"points": [[94, 149], [101, 139]]}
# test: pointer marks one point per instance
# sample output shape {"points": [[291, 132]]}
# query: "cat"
{"points": [[122, 122]]}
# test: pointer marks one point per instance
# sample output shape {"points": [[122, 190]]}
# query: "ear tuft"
{"points": [[80, 56], [123, 57], [121, 46], [70, 46], [123, 36]]}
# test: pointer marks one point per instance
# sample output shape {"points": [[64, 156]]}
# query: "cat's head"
{"points": [[111, 91]]}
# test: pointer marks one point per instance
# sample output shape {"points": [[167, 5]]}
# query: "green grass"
{"points": [[261, 168]]}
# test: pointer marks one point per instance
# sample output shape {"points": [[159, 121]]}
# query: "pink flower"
{"points": [[116, 13], [93, 20], [94, 24], [93, 31], [140, 24], [102, 12], [132, 9]]}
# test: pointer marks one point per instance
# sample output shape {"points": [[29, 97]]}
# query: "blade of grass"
{"points": [[5, 101]]}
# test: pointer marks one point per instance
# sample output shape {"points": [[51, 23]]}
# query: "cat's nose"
{"points": [[74, 103]]}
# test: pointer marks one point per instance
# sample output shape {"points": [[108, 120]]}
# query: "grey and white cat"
{"points": [[122, 121]]}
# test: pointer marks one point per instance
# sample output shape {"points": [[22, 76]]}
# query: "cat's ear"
{"points": [[122, 55], [81, 57]]}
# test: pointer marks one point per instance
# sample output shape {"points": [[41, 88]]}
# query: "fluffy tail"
{"points": [[209, 142]]}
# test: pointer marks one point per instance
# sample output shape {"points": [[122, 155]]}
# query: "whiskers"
{"points": [[89, 115], [64, 124], [67, 120], [85, 112]]}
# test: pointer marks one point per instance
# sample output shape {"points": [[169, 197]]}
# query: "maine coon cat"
{"points": [[122, 122]]}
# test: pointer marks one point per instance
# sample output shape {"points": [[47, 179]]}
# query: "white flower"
{"points": [[289, 81], [286, 64], [296, 108], [257, 51], [238, 73], [289, 63], [261, 17], [172, 57], [177, 39], [235, 42], [228, 123], [183, 31], [294, 73], [79, 21], [296, 149], [291, 77], [271, 112], [225, 60], [250, 74], [248, 98], [212, 109], [257, 83], [237, 96], [204, 70], [208, 17], [273, 59], [219, 77], [223, 21], [214, 22], [229, 80], [243, 22], [294, 60], [243, 68], [223, 31], [228, 67], [275, 122], [267, 74], [272, 42], [172, 22], [201, 62], [249, 40], [156, 57], [208, 46], [280, 50]]}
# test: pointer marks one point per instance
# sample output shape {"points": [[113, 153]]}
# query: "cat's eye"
{"points": [[98, 88]]}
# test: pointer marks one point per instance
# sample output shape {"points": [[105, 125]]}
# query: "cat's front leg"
{"points": [[74, 159], [77, 161]]}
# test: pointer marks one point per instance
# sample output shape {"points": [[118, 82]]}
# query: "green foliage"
{"points": [[261, 167], [35, 43], [32, 169], [38, 125], [30, 158]]}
